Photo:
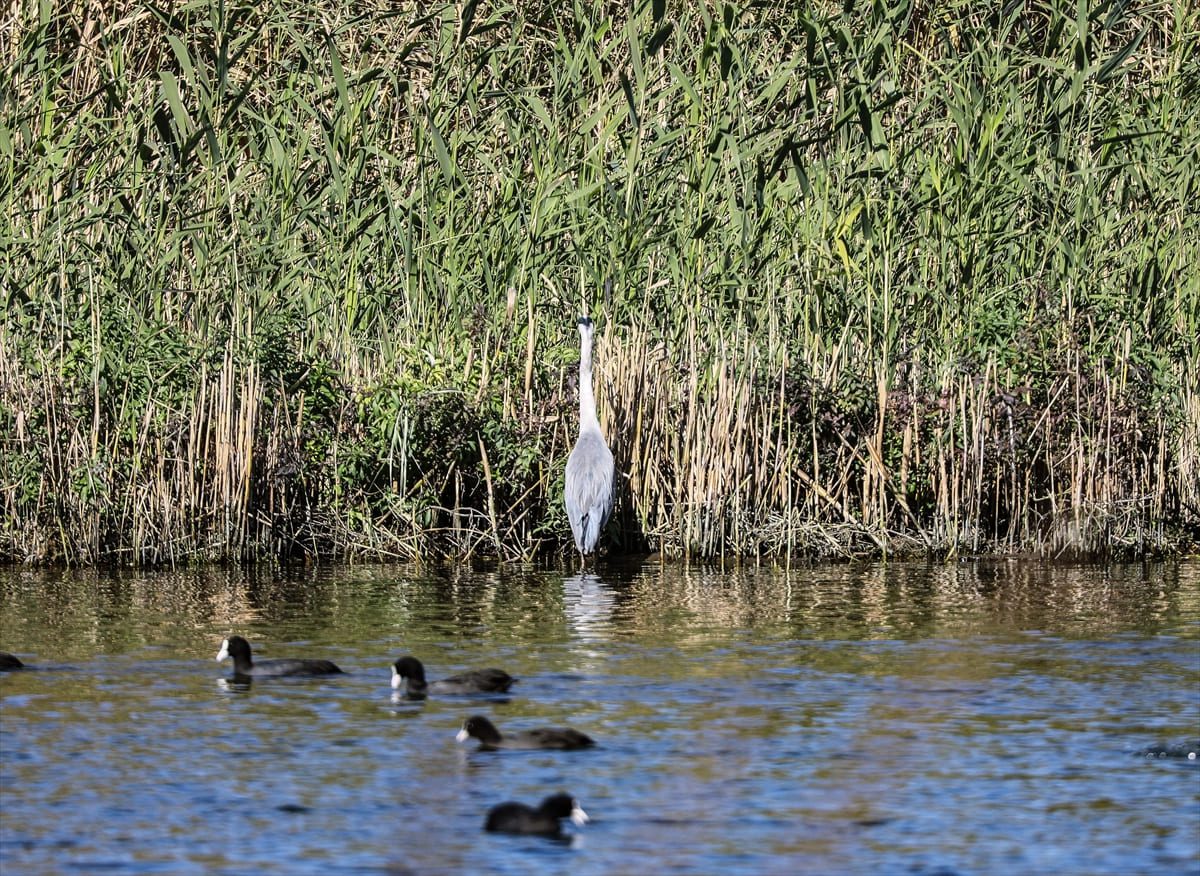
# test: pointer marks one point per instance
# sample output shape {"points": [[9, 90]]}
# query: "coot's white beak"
{"points": [[224, 652], [462, 735], [397, 679], [578, 816]]}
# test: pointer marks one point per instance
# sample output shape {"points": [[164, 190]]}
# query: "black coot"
{"points": [[562, 738], [238, 649], [408, 673], [546, 819]]}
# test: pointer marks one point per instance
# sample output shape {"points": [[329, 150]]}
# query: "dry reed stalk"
{"points": [[714, 471]]}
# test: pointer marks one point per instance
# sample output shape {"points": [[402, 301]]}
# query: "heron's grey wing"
{"points": [[608, 492], [589, 489], [603, 506], [575, 512]]}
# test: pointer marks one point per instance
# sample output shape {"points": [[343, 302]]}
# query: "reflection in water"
{"points": [[589, 606], [78, 612], [235, 683], [989, 717], [906, 600]]}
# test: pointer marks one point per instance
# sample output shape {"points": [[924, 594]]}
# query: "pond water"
{"points": [[980, 718]]}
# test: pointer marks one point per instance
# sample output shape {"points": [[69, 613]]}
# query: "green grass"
{"points": [[904, 278]]}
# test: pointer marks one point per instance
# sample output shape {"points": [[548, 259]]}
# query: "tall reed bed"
{"points": [[871, 279]]}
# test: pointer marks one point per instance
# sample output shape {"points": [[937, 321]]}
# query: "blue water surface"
{"points": [[985, 718]]}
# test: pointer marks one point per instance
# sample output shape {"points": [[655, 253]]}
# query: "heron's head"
{"points": [[585, 325]]}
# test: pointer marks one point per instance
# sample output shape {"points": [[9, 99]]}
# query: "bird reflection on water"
{"points": [[589, 606]]}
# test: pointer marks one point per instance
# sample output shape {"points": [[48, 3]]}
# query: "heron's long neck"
{"points": [[587, 398]]}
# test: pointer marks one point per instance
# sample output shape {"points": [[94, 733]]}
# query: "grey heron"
{"points": [[589, 481]]}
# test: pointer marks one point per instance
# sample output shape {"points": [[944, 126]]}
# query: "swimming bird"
{"points": [[560, 738], [238, 649], [10, 661], [588, 491], [407, 672], [546, 819]]}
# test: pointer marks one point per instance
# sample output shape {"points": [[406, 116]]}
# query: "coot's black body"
{"points": [[560, 738], [545, 820], [238, 649], [409, 673]]}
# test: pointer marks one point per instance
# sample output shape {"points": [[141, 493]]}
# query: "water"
{"points": [[987, 718]]}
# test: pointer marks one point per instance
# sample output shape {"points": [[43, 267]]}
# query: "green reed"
{"points": [[285, 282]]}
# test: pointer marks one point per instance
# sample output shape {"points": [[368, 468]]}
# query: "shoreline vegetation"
{"points": [[869, 279]]}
